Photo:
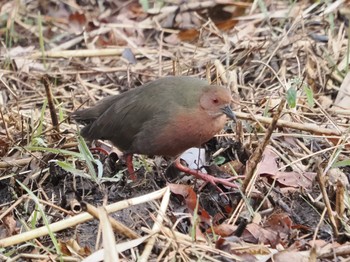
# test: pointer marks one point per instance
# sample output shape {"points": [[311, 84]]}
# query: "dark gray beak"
{"points": [[228, 111]]}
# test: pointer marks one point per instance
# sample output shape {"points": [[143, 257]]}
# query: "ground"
{"points": [[286, 64]]}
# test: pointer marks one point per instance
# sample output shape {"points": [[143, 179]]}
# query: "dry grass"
{"points": [[72, 56]]}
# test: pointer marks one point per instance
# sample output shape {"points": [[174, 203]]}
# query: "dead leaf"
{"points": [[71, 247], [190, 198], [234, 164], [335, 174], [295, 256], [77, 22], [279, 222], [325, 101], [8, 226], [135, 11], [64, 249], [223, 230], [343, 97], [268, 167], [188, 35], [255, 233]]}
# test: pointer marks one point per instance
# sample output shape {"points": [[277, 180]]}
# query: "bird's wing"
{"points": [[88, 115], [123, 120]]}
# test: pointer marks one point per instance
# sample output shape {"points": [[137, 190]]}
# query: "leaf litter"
{"points": [[263, 52]]}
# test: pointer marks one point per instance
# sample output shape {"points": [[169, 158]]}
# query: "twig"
{"points": [[16, 162], [88, 53], [117, 226], [187, 241], [51, 104], [340, 251], [321, 182], [255, 158], [318, 228], [312, 128], [9, 137], [339, 203]]}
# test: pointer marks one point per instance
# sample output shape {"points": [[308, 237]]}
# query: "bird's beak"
{"points": [[228, 111]]}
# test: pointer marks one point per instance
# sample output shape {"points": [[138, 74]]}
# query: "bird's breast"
{"points": [[185, 130]]}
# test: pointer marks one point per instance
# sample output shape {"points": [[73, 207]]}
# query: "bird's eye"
{"points": [[215, 101]]}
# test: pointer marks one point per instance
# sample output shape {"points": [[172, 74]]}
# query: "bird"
{"points": [[164, 117]]}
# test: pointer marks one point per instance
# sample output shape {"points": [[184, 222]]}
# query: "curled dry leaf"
{"points": [[77, 22], [276, 229], [223, 230], [255, 233], [279, 222], [295, 256], [8, 226], [335, 174], [190, 198]]}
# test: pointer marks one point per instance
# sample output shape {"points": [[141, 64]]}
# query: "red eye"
{"points": [[215, 101]]}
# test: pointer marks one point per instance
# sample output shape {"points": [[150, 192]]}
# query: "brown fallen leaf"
{"points": [[255, 234], [268, 167], [8, 226], [295, 256], [77, 22], [190, 198], [71, 247], [223, 230], [279, 222]]}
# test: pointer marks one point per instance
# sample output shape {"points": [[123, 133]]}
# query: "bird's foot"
{"points": [[205, 177]]}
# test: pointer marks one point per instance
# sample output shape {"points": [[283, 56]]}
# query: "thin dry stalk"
{"points": [[340, 203], [156, 226], [109, 243], [116, 225], [312, 128], [320, 178], [88, 53], [51, 103], [256, 157]]}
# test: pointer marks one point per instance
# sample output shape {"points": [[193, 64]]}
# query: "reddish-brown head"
{"points": [[215, 100]]}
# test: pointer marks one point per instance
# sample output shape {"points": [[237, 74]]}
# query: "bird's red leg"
{"points": [[130, 167], [205, 177]]}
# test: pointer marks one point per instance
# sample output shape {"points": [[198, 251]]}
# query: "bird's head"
{"points": [[215, 100]]}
